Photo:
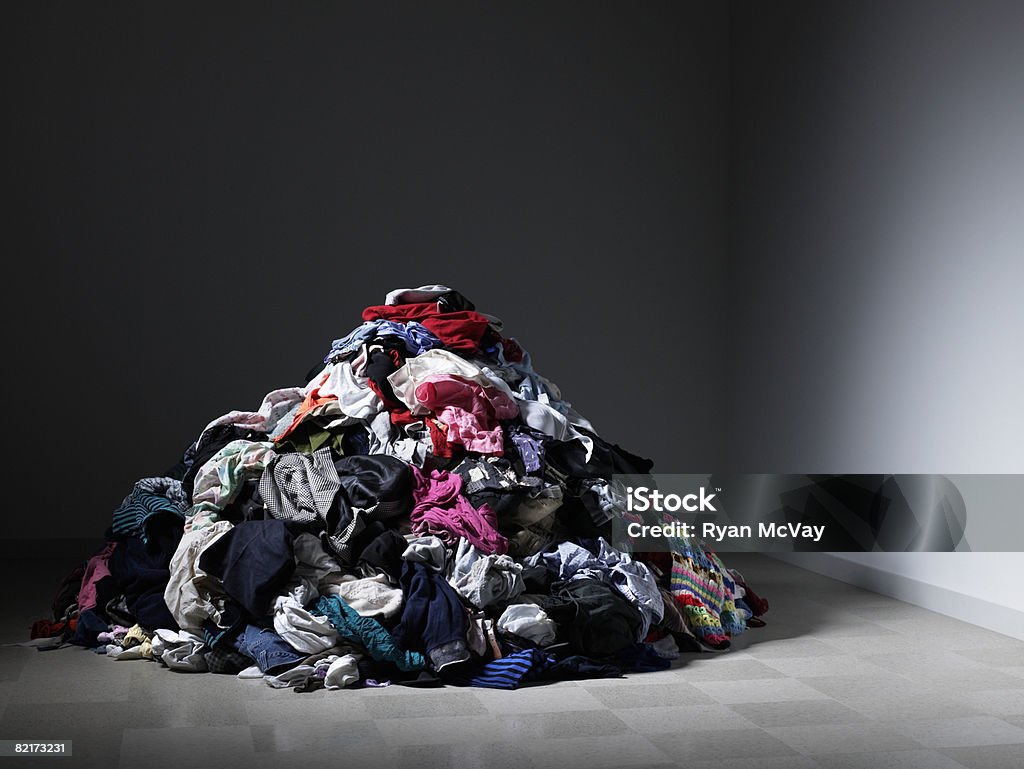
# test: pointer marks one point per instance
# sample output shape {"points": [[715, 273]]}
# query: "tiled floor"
{"points": [[841, 678]]}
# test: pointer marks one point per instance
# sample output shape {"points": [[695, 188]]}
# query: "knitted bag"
{"points": [[701, 587]]}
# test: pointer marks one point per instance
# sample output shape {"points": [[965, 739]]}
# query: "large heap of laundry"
{"points": [[427, 509]]}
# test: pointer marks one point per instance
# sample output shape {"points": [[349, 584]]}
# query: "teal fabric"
{"points": [[367, 631]]}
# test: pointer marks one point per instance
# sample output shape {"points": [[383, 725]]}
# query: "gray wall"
{"points": [[878, 238], [877, 263], [766, 236], [206, 196]]}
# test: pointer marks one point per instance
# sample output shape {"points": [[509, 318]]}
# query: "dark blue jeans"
{"points": [[267, 649]]}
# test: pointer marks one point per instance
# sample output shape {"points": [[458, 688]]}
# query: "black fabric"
{"points": [[574, 516], [380, 365], [254, 561], [537, 579], [383, 555], [67, 592], [559, 609], [247, 504], [607, 459], [422, 680], [603, 622], [140, 571], [503, 504], [225, 660], [359, 542], [453, 301], [116, 611], [433, 615], [577, 667], [374, 480], [356, 442], [640, 658]]}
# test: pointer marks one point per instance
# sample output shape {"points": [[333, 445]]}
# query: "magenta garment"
{"points": [[470, 411], [95, 570], [443, 511]]}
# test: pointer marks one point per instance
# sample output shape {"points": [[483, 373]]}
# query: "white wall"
{"points": [[981, 588], [878, 262]]}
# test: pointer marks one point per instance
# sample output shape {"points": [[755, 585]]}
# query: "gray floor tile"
{"points": [[595, 752], [682, 718], [893, 698], [731, 744], [764, 690], [218, 746], [1003, 657], [493, 755], [922, 662], [842, 687], [928, 707], [13, 660], [439, 730], [851, 627], [973, 680], [314, 708], [842, 738], [998, 702], [421, 702], [798, 713], [961, 732], [765, 762], [726, 668], [813, 667], [890, 610], [645, 679], [97, 748], [894, 643], [300, 735], [941, 681], [376, 755], [988, 756], [793, 647], [899, 759], [640, 696], [541, 699], [520, 727]]}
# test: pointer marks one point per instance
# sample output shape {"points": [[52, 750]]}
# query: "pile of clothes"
{"points": [[425, 510]]}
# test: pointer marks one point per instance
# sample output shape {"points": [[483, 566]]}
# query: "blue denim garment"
{"points": [[267, 649]]}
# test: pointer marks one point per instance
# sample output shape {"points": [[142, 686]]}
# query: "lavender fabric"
{"points": [[415, 335]]}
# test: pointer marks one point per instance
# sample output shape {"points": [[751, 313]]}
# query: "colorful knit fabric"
{"points": [[702, 589]]}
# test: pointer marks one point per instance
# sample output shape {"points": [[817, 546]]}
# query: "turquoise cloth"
{"points": [[367, 631]]}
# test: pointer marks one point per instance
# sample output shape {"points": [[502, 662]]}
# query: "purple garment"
{"points": [[530, 449], [443, 511], [95, 570], [415, 335]]}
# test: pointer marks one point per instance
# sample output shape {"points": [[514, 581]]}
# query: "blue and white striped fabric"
{"points": [[508, 672]]}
